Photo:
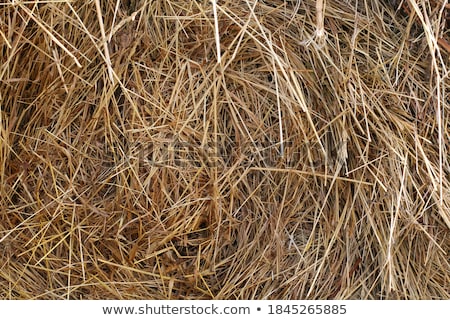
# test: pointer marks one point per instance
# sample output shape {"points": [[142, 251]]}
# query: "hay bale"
{"points": [[307, 159]]}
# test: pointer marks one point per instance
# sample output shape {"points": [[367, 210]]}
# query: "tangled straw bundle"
{"points": [[227, 149]]}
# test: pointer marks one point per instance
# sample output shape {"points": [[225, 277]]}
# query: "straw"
{"points": [[224, 150]]}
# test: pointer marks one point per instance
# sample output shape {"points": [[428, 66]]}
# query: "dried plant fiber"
{"points": [[224, 149]]}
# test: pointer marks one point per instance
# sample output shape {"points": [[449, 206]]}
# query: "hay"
{"points": [[308, 159]]}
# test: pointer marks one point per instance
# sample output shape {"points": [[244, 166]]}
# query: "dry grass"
{"points": [[308, 159]]}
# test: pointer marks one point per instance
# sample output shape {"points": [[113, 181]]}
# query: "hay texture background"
{"points": [[309, 163]]}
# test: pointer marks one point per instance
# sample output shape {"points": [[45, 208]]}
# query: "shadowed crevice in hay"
{"points": [[295, 169]]}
